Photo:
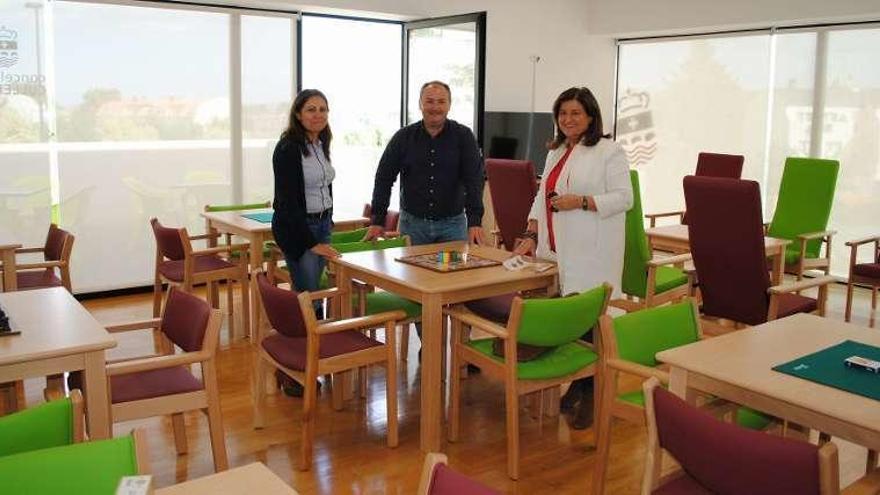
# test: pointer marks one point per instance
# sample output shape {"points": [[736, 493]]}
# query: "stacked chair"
{"points": [[554, 323], [42, 452], [708, 165], [730, 257], [304, 348]]}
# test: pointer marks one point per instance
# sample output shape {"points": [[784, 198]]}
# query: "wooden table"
{"points": [[7, 260], [57, 335], [257, 233], [676, 239], [243, 480], [434, 290], [738, 367]]}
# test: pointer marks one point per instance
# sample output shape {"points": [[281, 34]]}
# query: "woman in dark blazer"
{"points": [[303, 191]]}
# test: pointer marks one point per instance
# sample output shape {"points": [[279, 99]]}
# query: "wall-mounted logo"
{"points": [[8, 47], [635, 127]]}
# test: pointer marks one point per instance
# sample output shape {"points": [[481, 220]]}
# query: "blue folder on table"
{"points": [[262, 217]]}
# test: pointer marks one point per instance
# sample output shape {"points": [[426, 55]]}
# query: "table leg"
{"points": [[678, 383], [432, 340], [97, 398], [10, 282], [256, 262]]}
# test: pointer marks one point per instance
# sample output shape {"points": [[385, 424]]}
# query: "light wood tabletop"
{"points": [[7, 261], [254, 478], [676, 239], [57, 335], [433, 290], [738, 367]]}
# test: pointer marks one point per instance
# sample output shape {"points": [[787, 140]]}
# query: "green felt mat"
{"points": [[827, 367], [263, 217]]}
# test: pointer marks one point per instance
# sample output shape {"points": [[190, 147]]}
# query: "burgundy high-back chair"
{"points": [[439, 479], [512, 186], [758, 463], [392, 217]]}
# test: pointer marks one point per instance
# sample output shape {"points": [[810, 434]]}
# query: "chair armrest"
{"points": [[678, 259], [222, 249], [867, 485], [360, 322], [42, 264], [326, 293], [865, 240], [204, 236], [134, 325], [806, 283], [637, 369], [463, 315], [155, 363], [816, 235], [29, 250], [390, 234]]}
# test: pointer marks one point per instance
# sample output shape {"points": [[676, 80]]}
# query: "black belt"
{"points": [[321, 214]]}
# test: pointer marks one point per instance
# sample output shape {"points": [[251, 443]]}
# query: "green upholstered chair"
{"points": [[556, 323], [344, 236], [267, 248], [52, 424], [653, 281], [93, 468], [803, 207], [629, 345]]}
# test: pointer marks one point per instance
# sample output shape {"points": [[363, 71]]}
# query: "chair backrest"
{"points": [[639, 336], [282, 308], [354, 247], [238, 207], [806, 195], [185, 320], [169, 241], [636, 251], [764, 464], [55, 423], [512, 185], [717, 165], [551, 322], [439, 479], [59, 244], [392, 217], [727, 244], [347, 236]]}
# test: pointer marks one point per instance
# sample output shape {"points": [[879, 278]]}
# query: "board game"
{"points": [[447, 261]]}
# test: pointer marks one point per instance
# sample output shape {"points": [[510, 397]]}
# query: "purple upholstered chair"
{"points": [[439, 479], [719, 457], [56, 254], [512, 185], [304, 348], [863, 274], [727, 244]]}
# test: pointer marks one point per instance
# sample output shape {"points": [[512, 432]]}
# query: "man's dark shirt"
{"points": [[440, 176]]}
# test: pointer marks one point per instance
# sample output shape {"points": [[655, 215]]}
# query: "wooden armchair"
{"points": [[56, 254], [708, 165], [178, 264], [556, 324], [304, 348], [863, 274], [163, 383], [765, 464], [727, 245], [629, 344]]}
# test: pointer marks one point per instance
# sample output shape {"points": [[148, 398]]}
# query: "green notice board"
{"points": [[827, 367], [263, 217]]}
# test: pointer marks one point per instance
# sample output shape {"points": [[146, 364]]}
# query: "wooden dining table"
{"points": [[676, 239], [57, 335], [739, 367], [433, 290]]}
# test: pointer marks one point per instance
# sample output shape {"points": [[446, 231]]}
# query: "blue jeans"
{"points": [[423, 231], [306, 271]]}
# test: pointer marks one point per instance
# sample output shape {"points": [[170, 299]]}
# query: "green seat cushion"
{"points": [[668, 278], [347, 236], [558, 362], [379, 302], [238, 207], [267, 251], [41, 427], [745, 417], [92, 468]]}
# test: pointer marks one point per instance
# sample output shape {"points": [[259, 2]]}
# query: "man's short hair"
{"points": [[435, 83]]}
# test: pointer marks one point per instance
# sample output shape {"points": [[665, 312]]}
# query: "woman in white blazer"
{"points": [[578, 215]]}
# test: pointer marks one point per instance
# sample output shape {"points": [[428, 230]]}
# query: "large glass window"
{"points": [[678, 97], [357, 65]]}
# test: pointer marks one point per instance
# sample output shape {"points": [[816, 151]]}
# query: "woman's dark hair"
{"points": [[585, 97], [295, 130]]}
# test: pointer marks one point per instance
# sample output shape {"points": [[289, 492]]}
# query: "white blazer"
{"points": [[589, 244]]}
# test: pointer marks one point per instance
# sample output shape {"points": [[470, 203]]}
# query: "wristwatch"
{"points": [[585, 205]]}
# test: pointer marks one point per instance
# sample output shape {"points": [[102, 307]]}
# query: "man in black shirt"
{"points": [[441, 176]]}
